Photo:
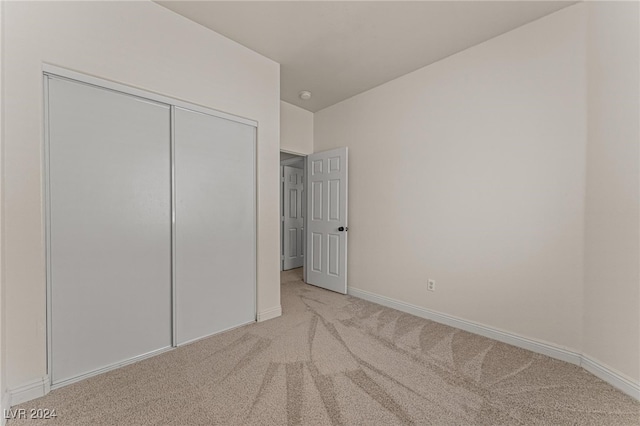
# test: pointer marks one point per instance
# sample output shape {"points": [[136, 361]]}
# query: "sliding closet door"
{"points": [[215, 224], [110, 230]]}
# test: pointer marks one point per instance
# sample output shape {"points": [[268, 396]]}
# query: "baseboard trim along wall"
{"points": [[41, 387], [5, 406], [594, 367], [271, 313], [611, 376], [27, 392]]}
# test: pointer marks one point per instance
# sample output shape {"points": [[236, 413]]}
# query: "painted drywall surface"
{"points": [[471, 171], [3, 381], [296, 129], [612, 253], [286, 156], [139, 44]]}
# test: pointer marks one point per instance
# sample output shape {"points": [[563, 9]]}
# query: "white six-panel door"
{"points": [[109, 228], [293, 217], [326, 256]]}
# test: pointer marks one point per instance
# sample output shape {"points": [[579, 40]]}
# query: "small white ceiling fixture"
{"points": [[305, 95], [342, 48]]}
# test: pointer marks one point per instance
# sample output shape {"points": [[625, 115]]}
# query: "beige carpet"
{"points": [[333, 359]]}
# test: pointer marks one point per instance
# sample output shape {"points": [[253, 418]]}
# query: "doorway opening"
{"points": [[292, 211], [316, 242]]}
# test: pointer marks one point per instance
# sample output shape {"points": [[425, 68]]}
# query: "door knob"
{"points": [[343, 228]]}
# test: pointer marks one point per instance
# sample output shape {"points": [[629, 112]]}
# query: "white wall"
{"points": [[471, 171], [296, 129], [612, 255], [136, 43], [3, 369]]}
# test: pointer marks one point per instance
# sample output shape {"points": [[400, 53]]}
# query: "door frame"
{"points": [[283, 163], [53, 71]]}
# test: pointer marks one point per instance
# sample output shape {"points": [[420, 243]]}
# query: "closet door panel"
{"points": [[215, 224], [110, 227]]}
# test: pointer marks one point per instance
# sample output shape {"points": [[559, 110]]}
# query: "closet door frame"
{"points": [[52, 71]]}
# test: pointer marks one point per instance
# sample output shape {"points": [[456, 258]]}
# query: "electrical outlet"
{"points": [[431, 285]]}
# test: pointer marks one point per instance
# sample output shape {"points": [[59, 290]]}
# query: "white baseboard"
{"points": [[609, 375], [28, 391], [472, 327], [597, 369], [271, 313], [4, 405]]}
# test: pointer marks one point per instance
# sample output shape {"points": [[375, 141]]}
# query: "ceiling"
{"points": [[337, 49]]}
